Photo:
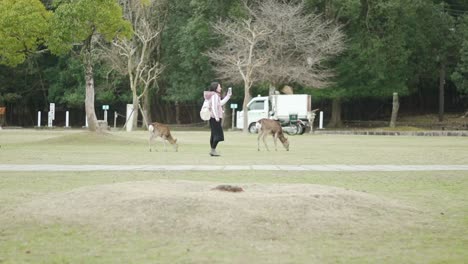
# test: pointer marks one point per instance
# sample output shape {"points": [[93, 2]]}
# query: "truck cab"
{"points": [[257, 108]]}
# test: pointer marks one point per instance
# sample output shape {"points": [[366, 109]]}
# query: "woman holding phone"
{"points": [[216, 104]]}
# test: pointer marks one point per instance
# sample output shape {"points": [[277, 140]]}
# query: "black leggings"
{"points": [[217, 133]]}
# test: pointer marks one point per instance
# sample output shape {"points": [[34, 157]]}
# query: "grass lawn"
{"points": [[281, 217]]}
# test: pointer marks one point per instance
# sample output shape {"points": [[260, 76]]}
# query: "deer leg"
{"points": [[275, 137], [264, 141], [155, 137], [150, 141], [164, 141], [260, 133]]}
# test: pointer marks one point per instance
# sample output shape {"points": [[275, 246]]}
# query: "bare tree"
{"points": [[301, 44], [240, 57], [135, 57], [278, 43]]}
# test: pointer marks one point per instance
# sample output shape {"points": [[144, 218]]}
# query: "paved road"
{"points": [[53, 167]]}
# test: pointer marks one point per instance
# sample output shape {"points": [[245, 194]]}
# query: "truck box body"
{"points": [[285, 104], [278, 106]]}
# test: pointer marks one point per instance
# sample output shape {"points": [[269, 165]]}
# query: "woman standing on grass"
{"points": [[213, 95]]}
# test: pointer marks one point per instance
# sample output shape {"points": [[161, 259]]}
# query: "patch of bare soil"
{"points": [[183, 207], [79, 138]]}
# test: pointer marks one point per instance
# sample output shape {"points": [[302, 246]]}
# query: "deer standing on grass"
{"points": [[269, 126], [160, 130]]}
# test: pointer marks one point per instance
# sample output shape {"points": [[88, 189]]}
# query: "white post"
{"points": [[86, 121], [130, 116], [38, 118], [115, 118], [321, 120], [67, 119], [49, 119], [52, 110], [105, 115], [233, 117]]}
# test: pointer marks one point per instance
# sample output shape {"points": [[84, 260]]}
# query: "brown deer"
{"points": [[273, 127], [160, 130]]}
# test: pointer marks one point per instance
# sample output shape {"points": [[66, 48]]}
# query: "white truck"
{"points": [[293, 111]]}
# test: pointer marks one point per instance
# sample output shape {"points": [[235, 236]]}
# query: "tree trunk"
{"points": [[247, 98], [146, 109], [272, 89], [135, 103], [143, 116], [396, 106], [335, 120], [441, 91], [89, 100]]}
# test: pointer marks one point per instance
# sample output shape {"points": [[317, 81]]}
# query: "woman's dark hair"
{"points": [[213, 86]]}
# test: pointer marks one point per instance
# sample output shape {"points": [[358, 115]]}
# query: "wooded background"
{"points": [[417, 48]]}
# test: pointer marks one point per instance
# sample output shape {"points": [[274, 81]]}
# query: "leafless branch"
{"points": [[301, 44], [135, 57]]}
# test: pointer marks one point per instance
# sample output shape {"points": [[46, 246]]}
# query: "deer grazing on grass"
{"points": [[160, 130], [268, 126]]}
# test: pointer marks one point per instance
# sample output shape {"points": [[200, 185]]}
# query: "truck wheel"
{"points": [[253, 128], [293, 129], [301, 129]]}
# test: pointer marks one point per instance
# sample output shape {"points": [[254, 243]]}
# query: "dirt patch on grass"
{"points": [[193, 208], [86, 137]]}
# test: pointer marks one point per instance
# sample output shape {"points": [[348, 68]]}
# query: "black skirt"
{"points": [[217, 133]]}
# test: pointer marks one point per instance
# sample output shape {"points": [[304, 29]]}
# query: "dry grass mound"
{"points": [[192, 208], [87, 137]]}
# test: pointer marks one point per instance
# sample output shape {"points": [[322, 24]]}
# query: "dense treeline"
{"points": [[418, 48]]}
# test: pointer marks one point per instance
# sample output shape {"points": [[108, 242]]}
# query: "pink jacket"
{"points": [[216, 103]]}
